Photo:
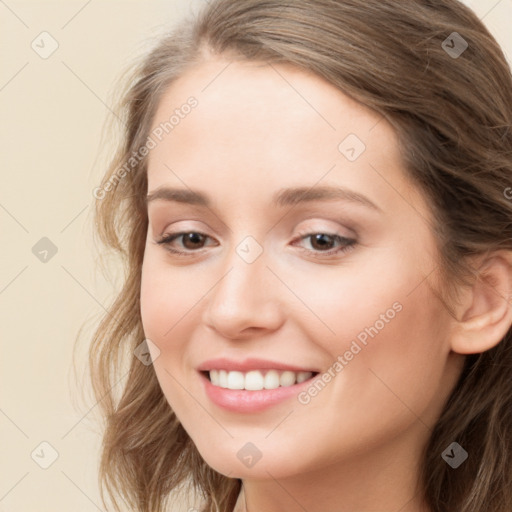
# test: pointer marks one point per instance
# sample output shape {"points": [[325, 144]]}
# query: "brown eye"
{"points": [[191, 241], [326, 244], [321, 241]]}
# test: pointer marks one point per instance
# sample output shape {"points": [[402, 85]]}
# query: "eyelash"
{"points": [[166, 240]]}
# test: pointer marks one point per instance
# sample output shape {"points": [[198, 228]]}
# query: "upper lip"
{"points": [[249, 364]]}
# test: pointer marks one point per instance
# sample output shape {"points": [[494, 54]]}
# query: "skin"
{"points": [[356, 445]]}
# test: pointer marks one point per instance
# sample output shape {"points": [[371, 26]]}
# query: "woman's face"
{"points": [[271, 285]]}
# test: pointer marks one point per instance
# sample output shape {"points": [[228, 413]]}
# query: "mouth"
{"points": [[257, 380]]}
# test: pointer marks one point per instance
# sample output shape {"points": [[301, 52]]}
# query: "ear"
{"points": [[485, 311]]}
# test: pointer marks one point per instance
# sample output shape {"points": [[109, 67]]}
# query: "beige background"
{"points": [[52, 111]]}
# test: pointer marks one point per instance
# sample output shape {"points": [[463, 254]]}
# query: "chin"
{"points": [[246, 462]]}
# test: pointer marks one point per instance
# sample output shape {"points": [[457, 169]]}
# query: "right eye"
{"points": [[190, 240]]}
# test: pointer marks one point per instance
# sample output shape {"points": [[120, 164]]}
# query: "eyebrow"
{"points": [[283, 197]]}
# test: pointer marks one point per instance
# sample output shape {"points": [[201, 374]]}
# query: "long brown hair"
{"points": [[452, 114]]}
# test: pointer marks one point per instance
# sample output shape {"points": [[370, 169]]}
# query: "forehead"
{"points": [[256, 99], [259, 127]]}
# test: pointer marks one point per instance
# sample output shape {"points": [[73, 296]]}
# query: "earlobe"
{"points": [[486, 313]]}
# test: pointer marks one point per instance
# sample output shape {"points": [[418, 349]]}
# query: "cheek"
{"points": [[388, 328], [164, 303], [360, 303], [166, 296], [397, 360]]}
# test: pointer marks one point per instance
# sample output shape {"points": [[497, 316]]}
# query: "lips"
{"points": [[246, 401], [252, 385], [250, 364]]}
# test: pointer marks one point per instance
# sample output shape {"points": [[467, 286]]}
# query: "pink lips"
{"points": [[244, 401], [249, 364]]}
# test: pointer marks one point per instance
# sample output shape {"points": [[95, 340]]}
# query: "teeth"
{"points": [[253, 380], [272, 380], [287, 379], [302, 376], [236, 380], [256, 380]]}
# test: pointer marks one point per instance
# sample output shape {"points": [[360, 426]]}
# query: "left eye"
{"points": [[321, 243], [325, 241]]}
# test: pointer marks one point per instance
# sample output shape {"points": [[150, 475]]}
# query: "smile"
{"points": [[256, 380], [247, 394]]}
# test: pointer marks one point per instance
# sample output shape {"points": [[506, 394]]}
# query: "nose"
{"points": [[246, 300]]}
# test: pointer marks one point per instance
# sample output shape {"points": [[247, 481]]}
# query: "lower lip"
{"points": [[241, 400]]}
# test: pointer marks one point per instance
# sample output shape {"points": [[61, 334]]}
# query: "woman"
{"points": [[311, 201]]}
